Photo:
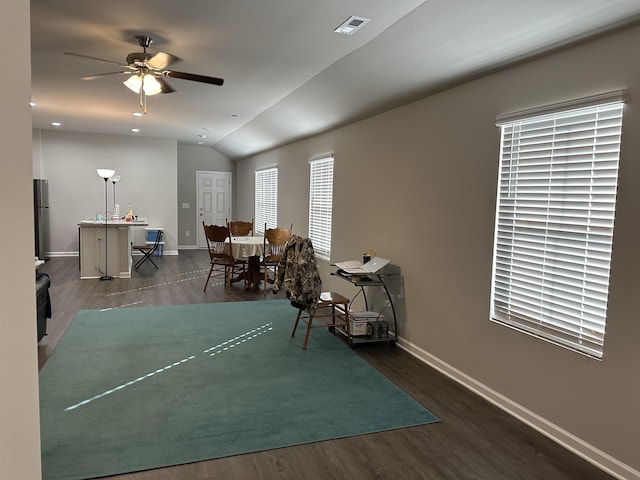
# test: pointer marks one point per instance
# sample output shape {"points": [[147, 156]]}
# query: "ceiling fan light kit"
{"points": [[147, 70], [147, 82]]}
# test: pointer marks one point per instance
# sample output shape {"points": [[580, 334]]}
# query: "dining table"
{"points": [[251, 248], [243, 247]]}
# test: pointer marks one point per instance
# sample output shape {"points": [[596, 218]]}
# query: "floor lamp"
{"points": [[106, 174], [116, 210]]}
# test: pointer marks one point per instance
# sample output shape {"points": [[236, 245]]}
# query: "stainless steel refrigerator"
{"points": [[41, 217]]}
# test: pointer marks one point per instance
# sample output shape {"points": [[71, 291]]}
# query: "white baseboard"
{"points": [[564, 438], [75, 254]]}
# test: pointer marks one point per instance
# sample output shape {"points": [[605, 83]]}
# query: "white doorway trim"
{"points": [[213, 197]]}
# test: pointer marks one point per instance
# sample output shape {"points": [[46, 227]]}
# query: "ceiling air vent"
{"points": [[351, 25]]}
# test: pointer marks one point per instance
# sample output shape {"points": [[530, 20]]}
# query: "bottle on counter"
{"points": [[129, 216], [116, 213]]}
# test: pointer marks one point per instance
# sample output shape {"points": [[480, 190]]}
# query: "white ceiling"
{"points": [[287, 74]]}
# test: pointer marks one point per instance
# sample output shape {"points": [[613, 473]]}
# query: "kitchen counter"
{"points": [[141, 222], [93, 263]]}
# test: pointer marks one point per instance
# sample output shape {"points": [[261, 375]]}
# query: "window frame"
{"points": [[537, 267], [266, 199], [321, 171]]}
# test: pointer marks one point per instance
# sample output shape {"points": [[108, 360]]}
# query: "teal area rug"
{"points": [[139, 388]]}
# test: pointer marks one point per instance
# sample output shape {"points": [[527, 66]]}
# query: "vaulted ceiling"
{"points": [[287, 74]]}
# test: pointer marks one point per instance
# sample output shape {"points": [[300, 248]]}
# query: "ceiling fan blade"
{"points": [[193, 77], [162, 60], [98, 75], [166, 88], [94, 58]]}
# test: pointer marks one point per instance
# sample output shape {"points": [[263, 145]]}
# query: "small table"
{"points": [[247, 246], [251, 248]]}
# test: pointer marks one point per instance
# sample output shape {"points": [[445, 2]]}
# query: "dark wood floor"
{"points": [[473, 440]]}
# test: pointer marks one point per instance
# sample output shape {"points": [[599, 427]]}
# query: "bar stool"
{"points": [[327, 299]]}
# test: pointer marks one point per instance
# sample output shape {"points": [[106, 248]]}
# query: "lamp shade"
{"points": [[151, 84], [105, 172], [115, 178]]}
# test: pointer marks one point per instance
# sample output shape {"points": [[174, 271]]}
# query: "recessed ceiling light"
{"points": [[200, 143], [56, 124], [202, 135], [135, 130], [232, 115], [351, 25], [137, 114], [33, 104], [208, 129]]}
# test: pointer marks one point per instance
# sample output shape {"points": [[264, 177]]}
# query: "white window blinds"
{"points": [[266, 199], [321, 205], [554, 224]]}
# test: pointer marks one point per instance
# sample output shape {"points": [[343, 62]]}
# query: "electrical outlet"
{"points": [[187, 233]]}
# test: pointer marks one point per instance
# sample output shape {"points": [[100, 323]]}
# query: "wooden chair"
{"points": [[275, 240], [148, 250], [330, 300], [240, 228], [220, 253]]}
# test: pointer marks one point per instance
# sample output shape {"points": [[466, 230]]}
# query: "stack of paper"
{"points": [[355, 267]]}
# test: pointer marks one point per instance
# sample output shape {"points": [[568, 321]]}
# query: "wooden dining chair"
{"points": [[275, 239], [330, 305], [240, 228], [221, 254]]}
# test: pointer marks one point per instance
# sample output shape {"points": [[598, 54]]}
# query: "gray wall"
{"points": [[428, 204], [19, 409], [158, 177], [148, 167], [190, 160]]}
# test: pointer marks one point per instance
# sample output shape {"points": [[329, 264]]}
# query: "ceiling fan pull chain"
{"points": [[143, 99]]}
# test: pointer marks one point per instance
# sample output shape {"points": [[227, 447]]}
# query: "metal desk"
{"points": [[370, 280]]}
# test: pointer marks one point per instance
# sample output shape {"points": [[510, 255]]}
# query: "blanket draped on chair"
{"points": [[298, 273]]}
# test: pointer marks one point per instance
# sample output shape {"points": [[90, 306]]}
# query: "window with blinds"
{"points": [[554, 222], [321, 205], [266, 199]]}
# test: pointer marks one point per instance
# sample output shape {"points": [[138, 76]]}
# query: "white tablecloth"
{"points": [[247, 246]]}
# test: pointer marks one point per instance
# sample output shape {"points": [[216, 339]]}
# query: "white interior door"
{"points": [[213, 190]]}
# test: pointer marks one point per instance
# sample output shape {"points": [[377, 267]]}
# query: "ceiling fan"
{"points": [[146, 71]]}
